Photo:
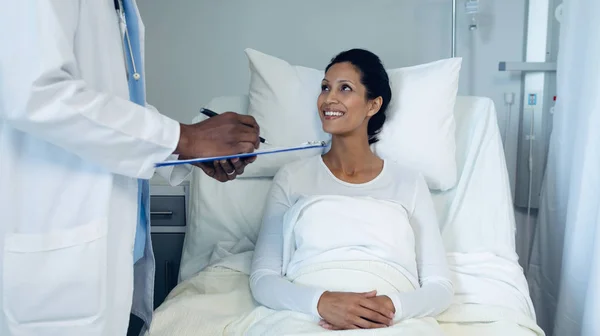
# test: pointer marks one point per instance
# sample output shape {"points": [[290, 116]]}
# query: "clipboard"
{"points": [[304, 146]]}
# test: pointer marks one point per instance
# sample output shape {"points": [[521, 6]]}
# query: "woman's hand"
{"points": [[384, 304], [354, 311]]}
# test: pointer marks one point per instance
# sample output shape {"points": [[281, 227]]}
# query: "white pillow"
{"points": [[419, 131], [283, 99], [420, 128]]}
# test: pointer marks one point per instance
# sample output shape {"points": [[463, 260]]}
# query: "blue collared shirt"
{"points": [[137, 94]]}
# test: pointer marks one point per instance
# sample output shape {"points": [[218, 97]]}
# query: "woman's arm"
{"points": [[436, 292], [269, 286]]}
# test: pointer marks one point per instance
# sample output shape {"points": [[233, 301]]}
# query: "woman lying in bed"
{"points": [[352, 105]]}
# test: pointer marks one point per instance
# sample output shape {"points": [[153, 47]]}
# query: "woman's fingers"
{"points": [[342, 311], [328, 326], [370, 294], [372, 316], [363, 323], [378, 308]]}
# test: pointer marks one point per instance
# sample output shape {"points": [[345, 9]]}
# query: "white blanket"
{"points": [[319, 229], [218, 300]]}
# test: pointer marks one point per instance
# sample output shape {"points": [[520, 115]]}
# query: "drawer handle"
{"points": [[161, 213]]}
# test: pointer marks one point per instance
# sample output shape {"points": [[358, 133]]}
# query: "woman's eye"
{"points": [[323, 87], [346, 88]]}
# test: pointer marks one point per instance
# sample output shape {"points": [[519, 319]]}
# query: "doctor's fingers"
{"points": [[244, 147], [229, 169], [221, 174], [249, 159], [238, 165], [207, 168], [248, 120], [245, 134]]}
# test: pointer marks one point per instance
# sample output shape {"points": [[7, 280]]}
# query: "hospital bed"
{"points": [[476, 221]]}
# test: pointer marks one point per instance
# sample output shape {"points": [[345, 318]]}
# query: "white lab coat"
{"points": [[71, 148]]}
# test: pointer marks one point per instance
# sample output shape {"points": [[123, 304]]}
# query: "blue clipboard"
{"points": [[308, 145]]}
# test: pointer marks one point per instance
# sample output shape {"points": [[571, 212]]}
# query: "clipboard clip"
{"points": [[315, 143]]}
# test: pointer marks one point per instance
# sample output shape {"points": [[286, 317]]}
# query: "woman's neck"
{"points": [[352, 156]]}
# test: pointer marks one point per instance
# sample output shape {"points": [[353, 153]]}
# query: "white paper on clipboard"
{"points": [[275, 150]]}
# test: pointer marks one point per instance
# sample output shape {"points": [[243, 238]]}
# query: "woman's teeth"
{"points": [[333, 114]]}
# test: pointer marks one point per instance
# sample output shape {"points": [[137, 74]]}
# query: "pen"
{"points": [[210, 114]]}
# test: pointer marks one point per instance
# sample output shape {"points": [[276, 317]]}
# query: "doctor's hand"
{"points": [[225, 134], [223, 170], [341, 311], [226, 170]]}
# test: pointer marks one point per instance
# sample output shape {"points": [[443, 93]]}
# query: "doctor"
{"points": [[77, 146]]}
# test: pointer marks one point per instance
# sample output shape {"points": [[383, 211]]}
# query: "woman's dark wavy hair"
{"points": [[375, 78]]}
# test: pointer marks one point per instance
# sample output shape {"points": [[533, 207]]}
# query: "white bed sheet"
{"points": [[477, 214], [218, 301]]}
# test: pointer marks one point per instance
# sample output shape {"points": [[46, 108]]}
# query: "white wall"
{"points": [[195, 47]]}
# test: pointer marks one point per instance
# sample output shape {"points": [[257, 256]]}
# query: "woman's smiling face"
{"points": [[343, 105]]}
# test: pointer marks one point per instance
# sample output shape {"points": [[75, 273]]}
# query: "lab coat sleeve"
{"points": [[175, 175], [44, 95]]}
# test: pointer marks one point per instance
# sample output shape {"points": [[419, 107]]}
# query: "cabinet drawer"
{"points": [[167, 210]]}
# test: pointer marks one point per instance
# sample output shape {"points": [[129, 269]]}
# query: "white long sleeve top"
{"points": [[311, 177]]}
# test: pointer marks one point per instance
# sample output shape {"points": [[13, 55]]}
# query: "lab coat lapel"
{"points": [[144, 269]]}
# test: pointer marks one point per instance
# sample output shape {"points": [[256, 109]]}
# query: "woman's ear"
{"points": [[374, 107]]}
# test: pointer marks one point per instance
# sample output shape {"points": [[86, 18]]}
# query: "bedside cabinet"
{"points": [[168, 221]]}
